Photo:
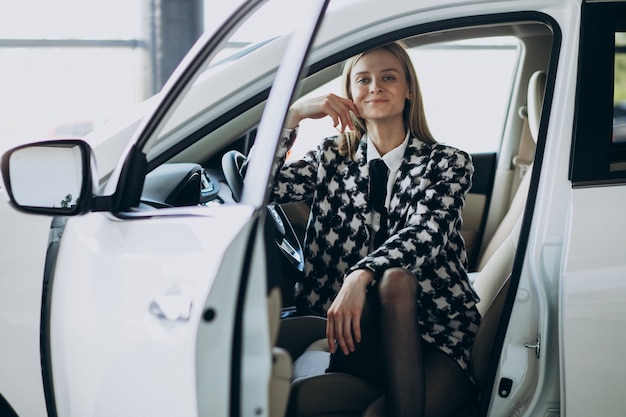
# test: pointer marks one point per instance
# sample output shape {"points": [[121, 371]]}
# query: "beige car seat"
{"points": [[280, 381], [315, 393], [536, 91]]}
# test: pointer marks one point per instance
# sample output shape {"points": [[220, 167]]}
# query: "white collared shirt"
{"points": [[393, 160]]}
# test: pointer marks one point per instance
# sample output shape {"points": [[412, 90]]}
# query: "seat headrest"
{"points": [[536, 91]]}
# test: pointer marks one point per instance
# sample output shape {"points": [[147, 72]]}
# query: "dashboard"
{"points": [[184, 184]]}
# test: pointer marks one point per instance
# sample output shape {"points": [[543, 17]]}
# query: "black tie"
{"points": [[378, 193]]}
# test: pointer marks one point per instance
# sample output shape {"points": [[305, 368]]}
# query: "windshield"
{"points": [[244, 64]]}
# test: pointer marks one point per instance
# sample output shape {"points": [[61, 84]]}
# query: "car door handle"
{"points": [[173, 307]]}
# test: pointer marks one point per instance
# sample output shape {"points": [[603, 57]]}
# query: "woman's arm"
{"points": [[330, 105], [296, 180]]}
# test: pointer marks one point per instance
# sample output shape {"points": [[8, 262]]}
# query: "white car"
{"points": [[158, 289]]}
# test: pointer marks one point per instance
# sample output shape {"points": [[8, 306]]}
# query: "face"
{"points": [[378, 86]]}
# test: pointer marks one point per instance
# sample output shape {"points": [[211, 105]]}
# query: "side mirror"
{"points": [[52, 177]]}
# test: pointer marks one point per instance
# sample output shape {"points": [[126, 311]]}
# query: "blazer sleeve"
{"points": [[433, 217], [294, 180]]}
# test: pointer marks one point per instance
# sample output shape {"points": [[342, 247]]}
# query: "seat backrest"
{"points": [[536, 90], [508, 222]]}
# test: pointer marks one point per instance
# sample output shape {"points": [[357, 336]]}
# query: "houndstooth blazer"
{"points": [[423, 223]]}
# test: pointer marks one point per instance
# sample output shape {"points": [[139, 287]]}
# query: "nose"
{"points": [[375, 86]]}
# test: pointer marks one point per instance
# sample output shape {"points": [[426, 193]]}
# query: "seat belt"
{"points": [[525, 153]]}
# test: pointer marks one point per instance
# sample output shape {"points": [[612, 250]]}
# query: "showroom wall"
{"points": [[69, 66]]}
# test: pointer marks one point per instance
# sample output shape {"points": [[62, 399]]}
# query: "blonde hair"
{"points": [[413, 114]]}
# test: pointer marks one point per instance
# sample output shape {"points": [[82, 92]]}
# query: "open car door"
{"points": [[156, 308]]}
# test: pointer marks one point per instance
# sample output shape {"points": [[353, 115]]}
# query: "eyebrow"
{"points": [[383, 70]]}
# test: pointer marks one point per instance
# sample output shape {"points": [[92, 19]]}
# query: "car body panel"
{"points": [[22, 261], [592, 303], [105, 336]]}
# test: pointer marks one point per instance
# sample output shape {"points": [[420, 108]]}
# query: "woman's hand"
{"points": [[344, 314], [331, 105]]}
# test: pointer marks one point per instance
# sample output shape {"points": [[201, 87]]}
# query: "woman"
{"points": [[400, 308]]}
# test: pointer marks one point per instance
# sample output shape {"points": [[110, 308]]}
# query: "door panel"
{"points": [[594, 312], [107, 337]]}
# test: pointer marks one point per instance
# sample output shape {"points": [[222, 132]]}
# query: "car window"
{"points": [[599, 154], [220, 85], [466, 87], [619, 89]]}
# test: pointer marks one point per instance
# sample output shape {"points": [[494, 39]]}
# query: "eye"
{"points": [[362, 80], [389, 78]]}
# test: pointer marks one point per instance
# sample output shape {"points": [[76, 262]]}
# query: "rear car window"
{"points": [[599, 149]]}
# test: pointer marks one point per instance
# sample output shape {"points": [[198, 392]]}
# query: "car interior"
{"points": [[205, 174]]}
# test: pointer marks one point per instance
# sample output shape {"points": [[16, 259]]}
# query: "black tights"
{"points": [[417, 379]]}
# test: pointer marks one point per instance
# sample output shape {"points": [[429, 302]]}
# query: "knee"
{"points": [[397, 286]]}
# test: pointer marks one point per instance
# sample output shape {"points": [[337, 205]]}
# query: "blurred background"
{"points": [[69, 66]]}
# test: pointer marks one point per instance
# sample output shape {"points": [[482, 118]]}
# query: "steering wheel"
{"points": [[283, 233]]}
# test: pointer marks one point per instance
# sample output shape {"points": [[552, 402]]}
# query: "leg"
{"points": [[401, 344], [419, 379], [448, 390]]}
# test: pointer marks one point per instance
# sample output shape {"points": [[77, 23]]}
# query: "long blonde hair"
{"points": [[413, 114]]}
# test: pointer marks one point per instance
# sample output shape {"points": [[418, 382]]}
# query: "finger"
{"points": [[350, 107], [340, 337], [342, 345], [346, 117], [356, 328], [346, 122], [339, 108], [330, 334], [347, 110], [351, 120], [347, 332], [337, 113]]}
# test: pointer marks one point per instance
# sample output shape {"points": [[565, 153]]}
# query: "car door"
{"points": [[593, 289], [163, 312]]}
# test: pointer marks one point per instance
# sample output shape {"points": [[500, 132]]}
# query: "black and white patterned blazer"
{"points": [[423, 223]]}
